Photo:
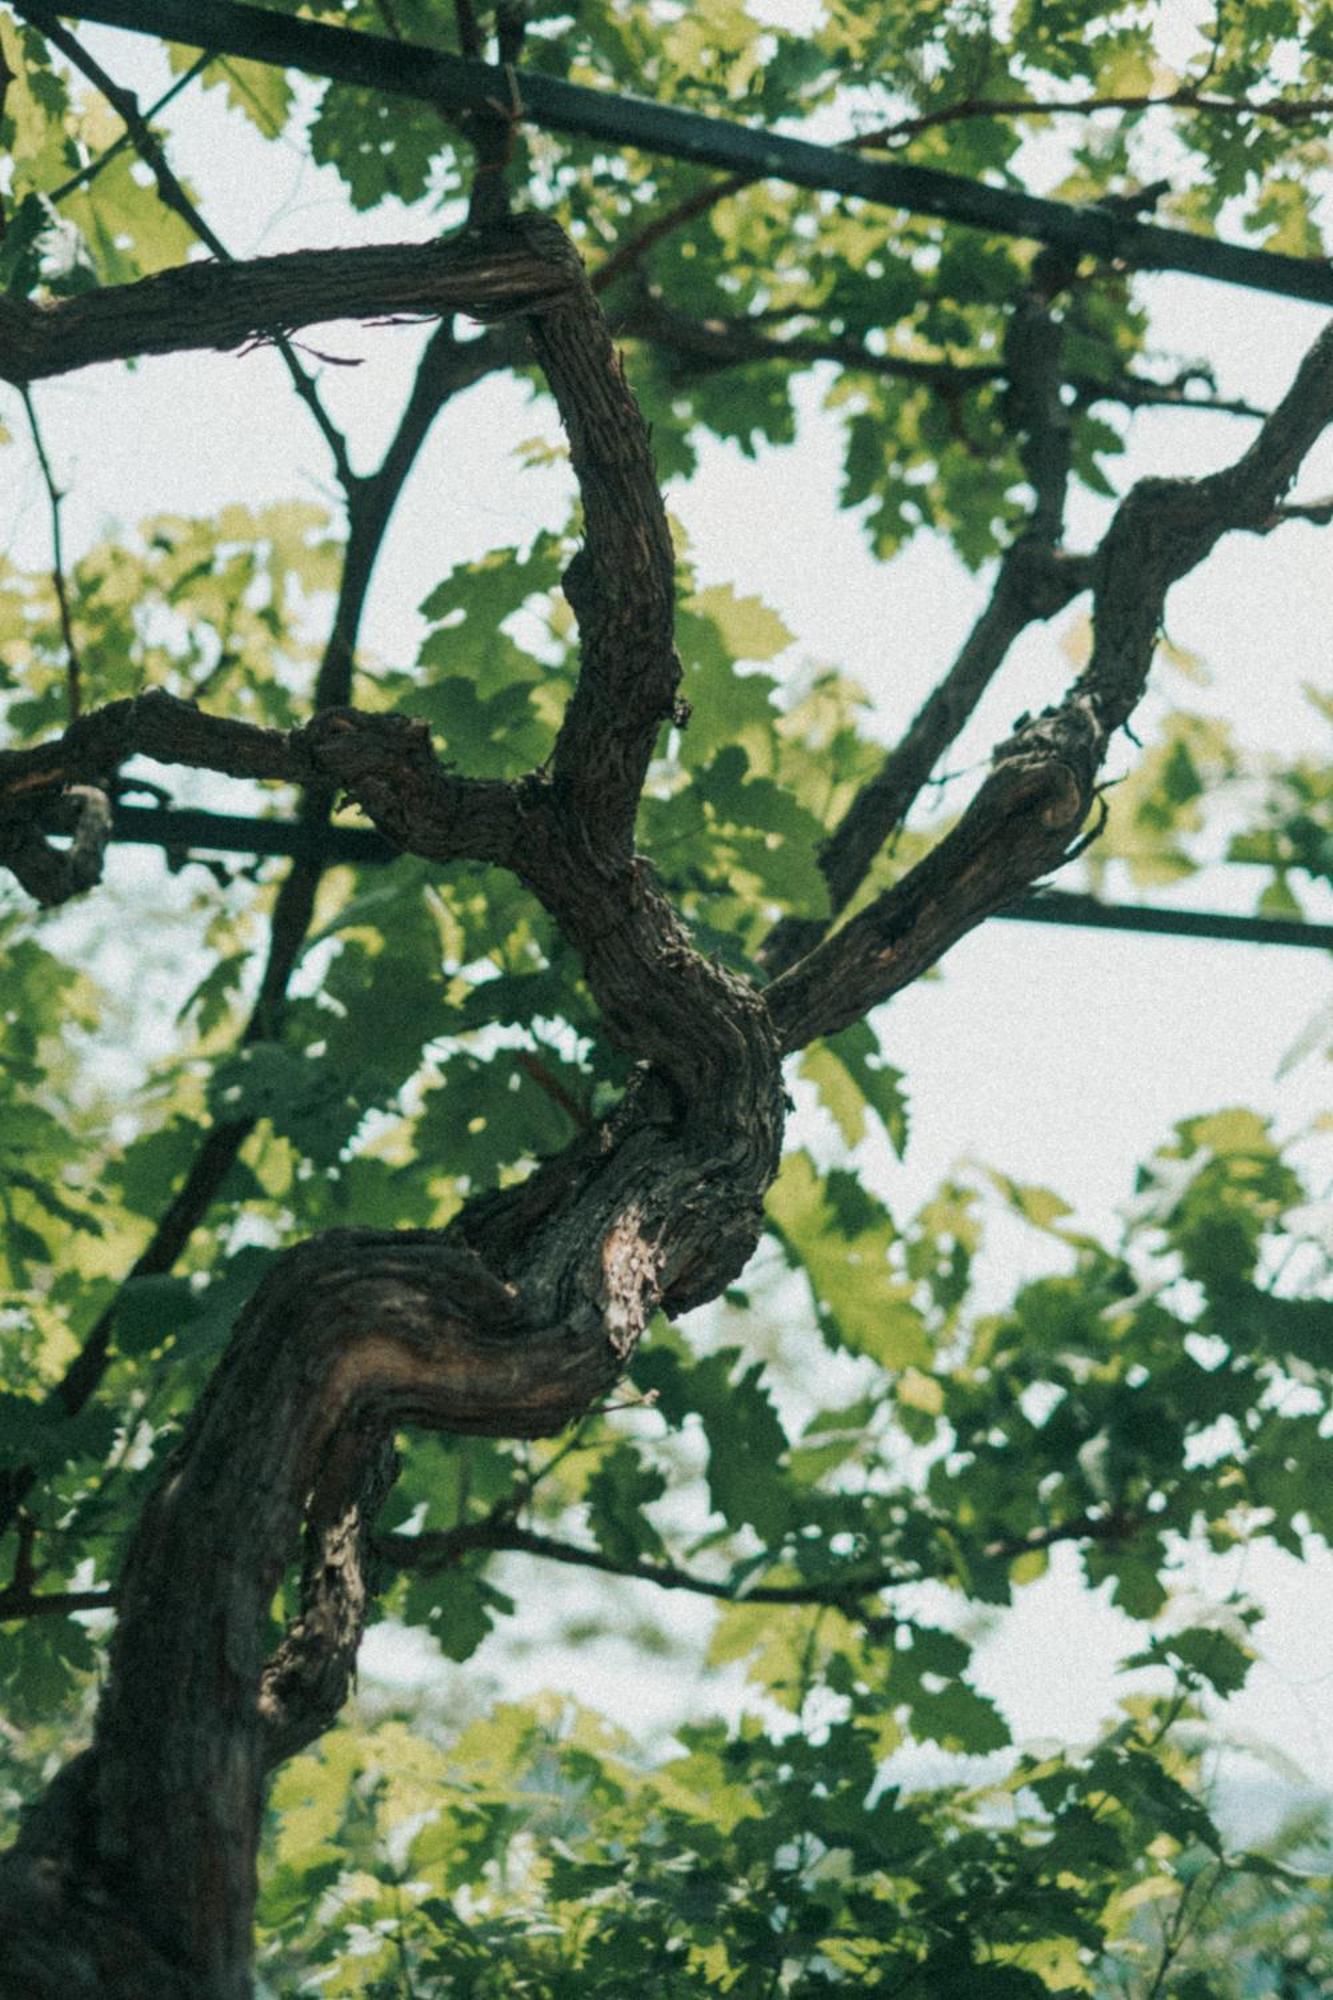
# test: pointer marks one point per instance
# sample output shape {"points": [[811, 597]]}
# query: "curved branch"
{"points": [[385, 761], [1027, 813], [53, 875], [446, 368], [510, 1322], [621, 584], [353, 1334], [1035, 581]]}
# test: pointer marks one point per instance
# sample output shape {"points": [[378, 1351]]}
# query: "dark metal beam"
{"points": [[183, 830], [1064, 906], [455, 84], [180, 830]]}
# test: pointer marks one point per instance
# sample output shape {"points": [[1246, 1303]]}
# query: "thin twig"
{"points": [[500, 1533], [630, 253], [73, 669], [1189, 97], [100, 161], [1036, 579], [20, 1598], [442, 1551], [716, 343], [6, 78], [173, 196], [532, 1066], [1182, 1922], [1318, 512]]}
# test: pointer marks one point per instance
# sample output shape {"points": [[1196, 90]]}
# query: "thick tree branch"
{"points": [[224, 305], [512, 1321], [383, 761], [1027, 814], [1035, 581], [353, 1334], [621, 584], [660, 1000], [452, 84], [51, 876], [445, 369]]}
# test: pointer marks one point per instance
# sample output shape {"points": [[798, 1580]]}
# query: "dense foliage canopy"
{"points": [[439, 1131]]}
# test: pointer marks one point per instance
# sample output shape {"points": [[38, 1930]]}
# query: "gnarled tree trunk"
{"points": [[135, 1875]]}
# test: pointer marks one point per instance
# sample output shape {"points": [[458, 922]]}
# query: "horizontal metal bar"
{"points": [[182, 829], [1064, 906], [453, 83]]}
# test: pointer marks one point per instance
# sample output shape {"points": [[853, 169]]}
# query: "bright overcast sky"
{"points": [[1061, 1056]]}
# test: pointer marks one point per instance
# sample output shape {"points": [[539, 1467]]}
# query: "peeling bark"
{"points": [[134, 1876], [511, 1322]]}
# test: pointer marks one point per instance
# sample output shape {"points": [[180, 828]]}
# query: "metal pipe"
{"points": [[454, 83], [182, 829]]}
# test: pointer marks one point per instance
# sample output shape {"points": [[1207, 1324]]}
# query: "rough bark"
{"points": [[511, 1322], [1029, 810], [135, 1875], [1036, 579], [224, 305]]}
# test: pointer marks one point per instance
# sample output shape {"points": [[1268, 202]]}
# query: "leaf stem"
{"points": [[73, 667]]}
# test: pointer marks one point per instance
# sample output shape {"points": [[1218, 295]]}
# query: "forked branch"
{"points": [[1027, 814], [513, 1320], [1036, 579]]}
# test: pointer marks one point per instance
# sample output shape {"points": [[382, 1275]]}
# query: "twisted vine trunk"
{"points": [[134, 1878], [137, 1875]]}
